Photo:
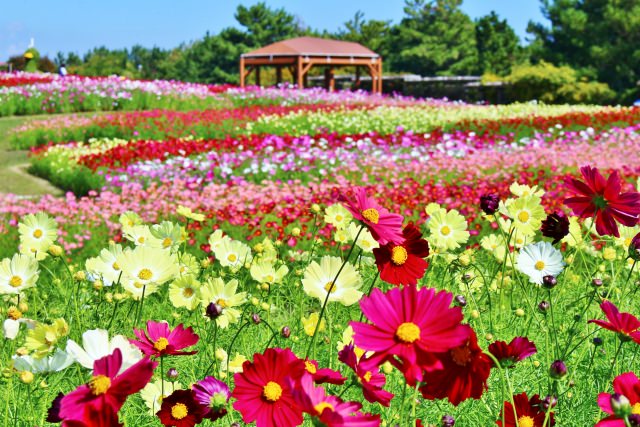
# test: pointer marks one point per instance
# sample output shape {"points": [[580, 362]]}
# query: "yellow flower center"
{"points": [[16, 281], [167, 242], [179, 411], [408, 332], [141, 240], [145, 274], [161, 344], [330, 287], [539, 265], [322, 406], [525, 421], [138, 285], [399, 255], [115, 266], [99, 384], [461, 355], [272, 391], [635, 409], [371, 215], [338, 218], [37, 233], [523, 216], [445, 230], [367, 376], [310, 367], [232, 257], [222, 303], [187, 292]]}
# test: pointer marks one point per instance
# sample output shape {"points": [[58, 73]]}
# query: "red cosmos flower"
{"points": [[331, 411], [625, 324], [263, 389], [163, 341], [409, 326], [180, 409], [96, 417], [530, 413], [385, 227], [464, 373], [626, 385], [320, 376], [604, 200], [403, 264], [508, 354], [369, 376], [107, 390]]}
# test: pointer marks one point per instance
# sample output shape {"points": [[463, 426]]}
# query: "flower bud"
{"points": [[634, 248], [549, 281], [172, 374], [55, 250], [549, 402], [285, 332], [80, 276], [213, 311], [489, 204], [448, 421], [544, 306], [13, 313], [597, 341], [256, 318], [460, 301], [558, 369], [597, 282], [26, 377], [620, 405], [519, 312], [295, 231]]}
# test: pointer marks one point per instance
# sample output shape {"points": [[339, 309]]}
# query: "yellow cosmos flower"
{"points": [[447, 229], [233, 254], [145, 269], [527, 214], [42, 339], [338, 216], [18, 273], [366, 242], [188, 265], [189, 214], [168, 234], [263, 272], [521, 190], [37, 233], [226, 296], [318, 280], [152, 394], [141, 235], [105, 266], [309, 324], [129, 219], [185, 292], [235, 364]]}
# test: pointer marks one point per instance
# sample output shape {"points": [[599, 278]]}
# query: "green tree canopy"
{"points": [[498, 45]]}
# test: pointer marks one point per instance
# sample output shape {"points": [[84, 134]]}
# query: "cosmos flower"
{"points": [[555, 226], [163, 341], [403, 264], [180, 409], [18, 273], [105, 266], [213, 396], [384, 226], [538, 260], [527, 214], [145, 269], [185, 292], [447, 229], [508, 354], [319, 279], [96, 345], [626, 325], [529, 412], [225, 295], [627, 388]]}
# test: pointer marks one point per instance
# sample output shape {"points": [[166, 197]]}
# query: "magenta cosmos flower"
{"points": [[625, 324], [602, 198], [163, 341], [213, 395], [331, 411], [385, 227], [517, 350], [408, 327], [106, 391], [626, 388]]}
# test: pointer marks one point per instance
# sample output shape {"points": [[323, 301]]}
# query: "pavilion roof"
{"points": [[312, 46]]}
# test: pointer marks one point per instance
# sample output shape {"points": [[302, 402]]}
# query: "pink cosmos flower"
{"points": [[625, 386], [331, 411], [625, 324], [163, 341], [409, 326], [385, 227], [369, 376], [106, 391], [508, 354]]}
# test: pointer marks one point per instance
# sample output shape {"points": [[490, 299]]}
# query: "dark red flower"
{"points": [[555, 226], [96, 417], [625, 324], [634, 248], [403, 264], [180, 409], [529, 413], [368, 376], [603, 199], [163, 341], [263, 389], [107, 390], [464, 373], [508, 354], [489, 203]]}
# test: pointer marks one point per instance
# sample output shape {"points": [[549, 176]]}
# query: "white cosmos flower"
{"points": [[146, 268], [233, 254], [97, 345], [11, 327], [18, 273], [105, 266], [57, 362], [152, 394], [318, 280], [37, 232], [538, 260]]}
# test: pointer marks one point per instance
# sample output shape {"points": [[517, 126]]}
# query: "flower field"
{"points": [[294, 257]]}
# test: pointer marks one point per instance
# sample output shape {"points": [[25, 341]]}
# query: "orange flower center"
{"points": [[272, 391], [99, 384], [539, 265], [179, 411], [222, 303], [399, 255], [232, 257], [187, 292], [367, 376], [371, 215], [310, 367], [408, 332], [523, 216], [167, 242], [635, 409], [445, 231], [37, 233], [161, 344], [525, 421], [322, 406], [115, 266], [16, 281], [145, 274]]}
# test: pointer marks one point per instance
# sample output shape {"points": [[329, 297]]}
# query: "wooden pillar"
{"points": [[257, 75], [329, 79], [242, 72], [380, 75], [278, 74], [357, 82], [299, 73]]}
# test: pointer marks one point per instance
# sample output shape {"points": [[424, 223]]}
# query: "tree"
{"points": [[265, 25], [601, 38], [434, 38], [370, 33], [498, 45]]}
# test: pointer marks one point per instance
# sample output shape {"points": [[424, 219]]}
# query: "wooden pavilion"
{"points": [[301, 53]]}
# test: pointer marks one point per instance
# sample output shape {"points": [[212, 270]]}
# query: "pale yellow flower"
{"points": [[309, 324], [319, 279], [338, 216]]}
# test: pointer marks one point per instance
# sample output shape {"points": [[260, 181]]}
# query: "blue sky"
{"points": [[79, 25]]}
